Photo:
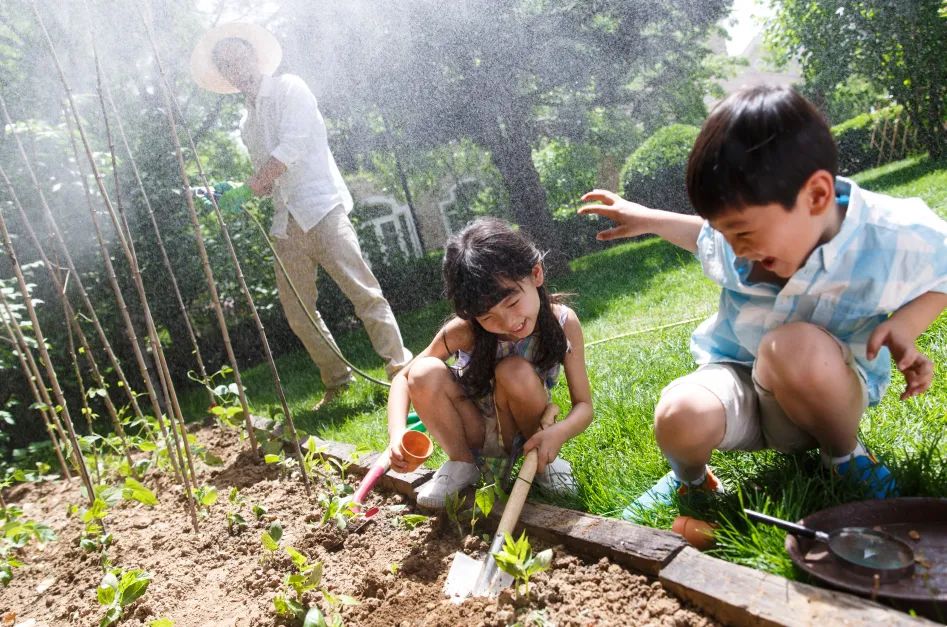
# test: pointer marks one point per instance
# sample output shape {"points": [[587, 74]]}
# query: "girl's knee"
{"points": [[513, 369], [425, 375]]}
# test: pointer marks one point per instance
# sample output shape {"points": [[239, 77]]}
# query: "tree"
{"points": [[501, 74], [899, 46]]}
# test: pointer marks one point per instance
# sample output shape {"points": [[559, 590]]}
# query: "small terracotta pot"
{"points": [[415, 447], [698, 533]]}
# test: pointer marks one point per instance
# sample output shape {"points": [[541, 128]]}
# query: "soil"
{"points": [[214, 578]]}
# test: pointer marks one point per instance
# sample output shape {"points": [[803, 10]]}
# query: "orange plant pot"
{"points": [[415, 447], [698, 533]]}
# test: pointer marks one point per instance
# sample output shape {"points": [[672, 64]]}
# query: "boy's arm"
{"points": [[899, 333], [632, 219]]}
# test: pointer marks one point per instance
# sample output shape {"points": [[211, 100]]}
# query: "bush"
{"points": [[854, 139], [654, 174]]}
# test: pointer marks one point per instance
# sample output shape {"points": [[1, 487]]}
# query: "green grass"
{"points": [[637, 286]]}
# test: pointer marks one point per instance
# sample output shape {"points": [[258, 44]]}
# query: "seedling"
{"points": [[94, 537], [308, 577], [258, 511], [15, 533], [118, 590], [235, 521], [410, 521], [271, 537], [452, 506], [134, 490], [226, 408], [484, 499], [337, 509], [205, 497], [517, 560]]}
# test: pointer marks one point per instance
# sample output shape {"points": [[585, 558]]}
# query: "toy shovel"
{"points": [[470, 577]]}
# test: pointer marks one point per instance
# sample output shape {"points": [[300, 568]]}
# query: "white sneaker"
{"points": [[556, 478], [449, 478]]}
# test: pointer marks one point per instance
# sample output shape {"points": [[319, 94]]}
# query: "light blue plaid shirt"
{"points": [[887, 252]]}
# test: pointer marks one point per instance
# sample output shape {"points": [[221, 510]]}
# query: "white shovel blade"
{"points": [[462, 577]]}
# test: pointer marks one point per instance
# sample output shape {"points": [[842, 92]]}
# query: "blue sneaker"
{"points": [[867, 471], [663, 492]]}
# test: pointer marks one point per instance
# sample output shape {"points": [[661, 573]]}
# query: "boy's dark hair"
{"points": [[759, 146], [479, 263]]}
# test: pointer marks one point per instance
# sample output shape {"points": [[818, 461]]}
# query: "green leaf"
{"points": [[134, 583], [314, 618], [135, 490], [271, 459], [484, 499], [298, 558], [111, 616], [161, 622], [259, 511], [276, 531], [268, 542], [413, 520], [107, 592]]}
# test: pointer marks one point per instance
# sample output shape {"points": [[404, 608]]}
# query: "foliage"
{"points": [[118, 590], [898, 46], [854, 139], [654, 174], [205, 496], [308, 577], [271, 537], [236, 523], [517, 560], [226, 409], [853, 96]]}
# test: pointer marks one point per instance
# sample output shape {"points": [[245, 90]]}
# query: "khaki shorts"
{"points": [[754, 418]]}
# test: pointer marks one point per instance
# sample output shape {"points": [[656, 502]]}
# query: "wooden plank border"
{"points": [[731, 593]]}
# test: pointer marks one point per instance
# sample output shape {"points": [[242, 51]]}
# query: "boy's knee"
{"points": [[425, 374], [798, 355], [686, 421]]}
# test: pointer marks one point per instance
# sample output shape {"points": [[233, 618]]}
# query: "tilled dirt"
{"points": [[215, 578]]}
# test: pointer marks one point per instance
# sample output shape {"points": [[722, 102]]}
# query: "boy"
{"points": [[810, 267]]}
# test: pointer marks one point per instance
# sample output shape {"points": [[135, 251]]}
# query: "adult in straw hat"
{"points": [[286, 137]]}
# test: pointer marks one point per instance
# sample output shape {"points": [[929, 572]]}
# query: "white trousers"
{"points": [[332, 244]]}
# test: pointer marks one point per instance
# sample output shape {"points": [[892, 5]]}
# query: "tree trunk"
{"points": [[513, 156]]}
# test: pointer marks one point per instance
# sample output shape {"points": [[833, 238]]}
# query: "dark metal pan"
{"points": [[861, 550]]}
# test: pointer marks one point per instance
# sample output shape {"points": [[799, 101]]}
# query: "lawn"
{"points": [[638, 286]]}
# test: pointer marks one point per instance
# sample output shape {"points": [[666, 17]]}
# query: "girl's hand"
{"points": [[398, 464], [631, 219], [547, 443]]}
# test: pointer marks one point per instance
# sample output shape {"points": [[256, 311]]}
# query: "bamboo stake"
{"points": [[31, 378], [264, 341], [202, 250], [47, 362], [157, 231], [58, 236], [86, 410], [71, 319], [174, 446]]}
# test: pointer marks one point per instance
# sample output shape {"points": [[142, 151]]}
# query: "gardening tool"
{"points": [[415, 447], [470, 577], [506, 471], [861, 550]]}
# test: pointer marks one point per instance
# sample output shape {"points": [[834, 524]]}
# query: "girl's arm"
{"points": [[453, 336], [549, 441]]}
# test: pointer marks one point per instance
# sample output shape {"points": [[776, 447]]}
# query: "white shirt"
{"points": [[284, 122]]}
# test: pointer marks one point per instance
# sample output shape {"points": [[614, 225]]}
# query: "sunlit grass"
{"points": [[637, 286]]}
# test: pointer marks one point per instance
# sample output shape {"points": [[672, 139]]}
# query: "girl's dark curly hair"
{"points": [[479, 264]]}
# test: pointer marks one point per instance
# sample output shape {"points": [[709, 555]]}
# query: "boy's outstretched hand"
{"points": [[917, 368], [631, 219]]}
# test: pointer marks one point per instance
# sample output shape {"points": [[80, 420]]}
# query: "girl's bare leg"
{"points": [[450, 417], [520, 397]]}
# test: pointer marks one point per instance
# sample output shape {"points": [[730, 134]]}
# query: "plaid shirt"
{"points": [[887, 252]]}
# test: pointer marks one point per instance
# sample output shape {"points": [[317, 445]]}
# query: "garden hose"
{"points": [[643, 331]]}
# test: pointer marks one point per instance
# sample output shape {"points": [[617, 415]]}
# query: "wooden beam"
{"points": [[739, 595]]}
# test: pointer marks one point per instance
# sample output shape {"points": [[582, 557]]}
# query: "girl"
{"points": [[509, 339]]}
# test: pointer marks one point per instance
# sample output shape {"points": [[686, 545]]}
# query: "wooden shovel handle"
{"points": [[524, 480]]}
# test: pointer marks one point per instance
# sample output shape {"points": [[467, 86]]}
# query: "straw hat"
{"points": [[268, 54]]}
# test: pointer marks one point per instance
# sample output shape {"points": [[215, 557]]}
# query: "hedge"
{"points": [[654, 173]]}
